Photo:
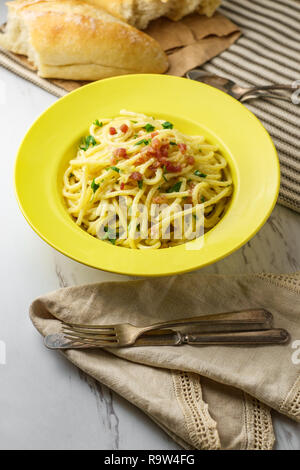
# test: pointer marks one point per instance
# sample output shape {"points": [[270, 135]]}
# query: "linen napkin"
{"points": [[212, 397]]}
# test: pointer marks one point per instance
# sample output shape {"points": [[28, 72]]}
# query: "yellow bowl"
{"points": [[194, 108]]}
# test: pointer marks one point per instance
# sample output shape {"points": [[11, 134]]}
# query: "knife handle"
{"points": [[244, 320], [273, 336]]}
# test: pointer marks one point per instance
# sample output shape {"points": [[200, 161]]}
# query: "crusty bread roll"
{"points": [[139, 13], [208, 7], [71, 39]]}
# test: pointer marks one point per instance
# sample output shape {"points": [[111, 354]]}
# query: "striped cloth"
{"points": [[268, 52]]}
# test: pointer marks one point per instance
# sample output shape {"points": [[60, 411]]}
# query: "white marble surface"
{"points": [[45, 403]]}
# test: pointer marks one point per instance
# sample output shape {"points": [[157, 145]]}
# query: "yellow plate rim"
{"points": [[141, 272]]}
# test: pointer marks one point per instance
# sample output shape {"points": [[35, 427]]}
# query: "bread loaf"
{"points": [[72, 39], [139, 13]]}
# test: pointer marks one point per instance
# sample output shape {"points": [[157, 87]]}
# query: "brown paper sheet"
{"points": [[188, 43], [193, 40]]}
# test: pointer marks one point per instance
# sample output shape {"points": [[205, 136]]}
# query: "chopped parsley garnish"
{"points": [[202, 199], [149, 127], [71, 175], [167, 125], [143, 141], [175, 188], [97, 123], [108, 235], [134, 122], [94, 186], [140, 184], [173, 143], [164, 171], [87, 141], [113, 168], [198, 173]]}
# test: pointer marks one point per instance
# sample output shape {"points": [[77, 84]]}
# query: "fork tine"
{"points": [[89, 326], [98, 342], [90, 330], [87, 333], [90, 337]]}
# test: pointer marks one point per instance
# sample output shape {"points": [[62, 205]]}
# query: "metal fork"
{"points": [[126, 334], [241, 93]]}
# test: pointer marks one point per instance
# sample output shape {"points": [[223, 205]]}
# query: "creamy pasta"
{"points": [[132, 163]]}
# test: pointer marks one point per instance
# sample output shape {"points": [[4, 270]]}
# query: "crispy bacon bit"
{"points": [[173, 168], [160, 150], [182, 148], [190, 160], [154, 165], [163, 162], [188, 200], [142, 159], [124, 128], [122, 186], [156, 143], [136, 175], [113, 160], [151, 152], [164, 150], [112, 130], [154, 134], [120, 153], [159, 199], [191, 187]]}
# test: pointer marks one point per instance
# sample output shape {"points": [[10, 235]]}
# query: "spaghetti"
{"points": [[128, 165]]}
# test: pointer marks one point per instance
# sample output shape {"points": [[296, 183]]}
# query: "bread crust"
{"points": [[140, 12], [74, 40]]}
